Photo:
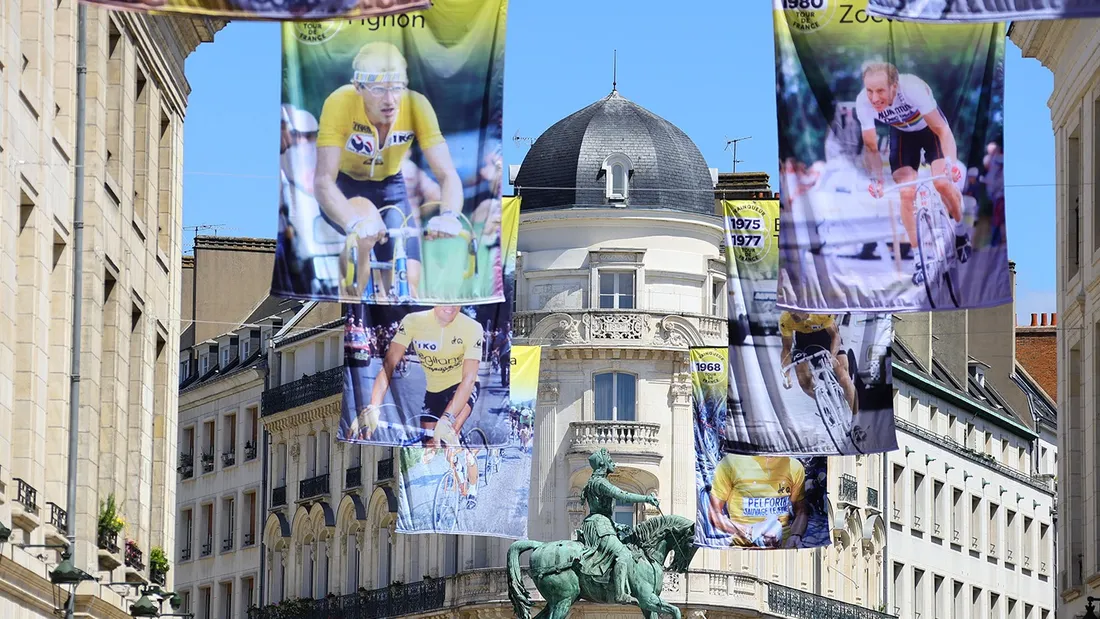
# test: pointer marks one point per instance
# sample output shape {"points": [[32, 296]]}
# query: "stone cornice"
{"points": [[325, 408], [207, 391]]}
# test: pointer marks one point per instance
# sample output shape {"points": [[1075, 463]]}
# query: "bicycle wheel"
{"points": [[445, 505], [476, 440], [951, 266], [931, 253]]}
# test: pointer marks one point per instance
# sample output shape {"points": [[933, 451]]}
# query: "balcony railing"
{"points": [[186, 467], [207, 548], [872, 497], [615, 436], [313, 487], [303, 391], [278, 496], [229, 458], [227, 544], [107, 541], [798, 604], [950, 444], [249, 539], [413, 598], [134, 557], [250, 451], [849, 488], [632, 328], [353, 477], [385, 470], [207, 462], [59, 518], [26, 495], [185, 554]]}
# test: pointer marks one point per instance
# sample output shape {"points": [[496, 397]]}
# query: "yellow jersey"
{"points": [[757, 488], [441, 349], [344, 124], [812, 323]]}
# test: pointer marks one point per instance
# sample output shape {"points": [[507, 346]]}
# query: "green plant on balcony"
{"points": [[158, 565], [110, 522]]}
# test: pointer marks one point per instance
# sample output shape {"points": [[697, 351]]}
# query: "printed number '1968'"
{"points": [[708, 366], [746, 240]]}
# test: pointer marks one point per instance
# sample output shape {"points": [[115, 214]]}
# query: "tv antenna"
{"points": [[517, 138], [197, 229], [734, 142]]}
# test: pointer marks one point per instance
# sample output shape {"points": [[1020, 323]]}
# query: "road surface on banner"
{"points": [[800, 383], [376, 12], [471, 490], [767, 502], [891, 147], [391, 164], [976, 10]]}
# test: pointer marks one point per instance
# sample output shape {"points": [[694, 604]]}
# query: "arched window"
{"points": [[311, 455], [616, 169], [323, 443], [616, 393], [385, 553]]}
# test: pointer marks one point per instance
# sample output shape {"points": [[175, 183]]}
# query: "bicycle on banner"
{"points": [[365, 278], [938, 264], [832, 406]]}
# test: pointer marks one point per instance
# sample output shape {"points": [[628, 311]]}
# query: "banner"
{"points": [[976, 10], [891, 147], [377, 12], [800, 383], [759, 502], [391, 158], [475, 490]]}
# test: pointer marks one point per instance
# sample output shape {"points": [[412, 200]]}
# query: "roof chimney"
{"points": [[1034, 320], [1054, 319], [1044, 320]]}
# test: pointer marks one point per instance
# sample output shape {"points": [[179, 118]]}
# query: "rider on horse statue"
{"points": [[605, 551]]}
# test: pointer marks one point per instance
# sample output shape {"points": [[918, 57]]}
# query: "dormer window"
{"points": [[226, 356], [245, 348], [204, 364], [617, 169]]}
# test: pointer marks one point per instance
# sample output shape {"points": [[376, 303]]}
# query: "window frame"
{"points": [[614, 395], [610, 164], [616, 295]]}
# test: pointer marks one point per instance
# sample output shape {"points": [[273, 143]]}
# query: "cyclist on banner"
{"points": [[760, 500], [905, 103], [802, 331], [448, 344], [366, 128]]}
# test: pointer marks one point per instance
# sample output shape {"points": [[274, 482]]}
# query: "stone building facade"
{"points": [[136, 100], [1068, 48]]}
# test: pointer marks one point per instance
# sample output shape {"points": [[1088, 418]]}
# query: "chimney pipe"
{"points": [[1044, 320], [1034, 320], [1054, 319]]}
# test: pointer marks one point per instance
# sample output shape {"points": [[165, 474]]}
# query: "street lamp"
{"points": [[1090, 611], [148, 605]]}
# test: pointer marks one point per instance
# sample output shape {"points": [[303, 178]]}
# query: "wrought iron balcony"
{"points": [[849, 488], [353, 477], [278, 496], [185, 554], [616, 436], [385, 470], [108, 541], [186, 467], [26, 495], [249, 539], [250, 451], [207, 548], [797, 604], [207, 462], [134, 557], [872, 497], [229, 458], [303, 391], [59, 518], [395, 601], [313, 487], [227, 544]]}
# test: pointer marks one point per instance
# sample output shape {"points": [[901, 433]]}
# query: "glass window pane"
{"points": [[626, 301], [624, 397], [607, 283], [618, 178], [626, 283], [604, 397], [607, 301]]}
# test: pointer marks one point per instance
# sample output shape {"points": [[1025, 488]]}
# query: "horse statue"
{"points": [[607, 564]]}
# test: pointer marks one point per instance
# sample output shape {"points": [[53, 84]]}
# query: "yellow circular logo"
{"points": [[808, 15], [316, 32], [749, 233], [709, 367]]}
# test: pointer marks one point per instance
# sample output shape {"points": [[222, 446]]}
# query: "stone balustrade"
{"points": [[622, 328], [615, 436]]}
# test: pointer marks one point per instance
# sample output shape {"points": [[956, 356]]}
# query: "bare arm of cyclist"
{"points": [[719, 520], [382, 382], [331, 199], [872, 159], [450, 185], [457, 406], [834, 335], [785, 357], [940, 127]]}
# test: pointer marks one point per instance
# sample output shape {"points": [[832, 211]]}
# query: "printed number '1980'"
{"points": [[803, 4]]}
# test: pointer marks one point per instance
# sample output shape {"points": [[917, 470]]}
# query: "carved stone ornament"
{"points": [[295, 450], [616, 326], [548, 392]]}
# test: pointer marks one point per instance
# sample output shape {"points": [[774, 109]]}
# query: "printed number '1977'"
{"points": [[746, 240]]}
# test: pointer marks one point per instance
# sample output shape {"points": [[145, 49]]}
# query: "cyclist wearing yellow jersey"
{"points": [[448, 344], [760, 500], [366, 127], [803, 334]]}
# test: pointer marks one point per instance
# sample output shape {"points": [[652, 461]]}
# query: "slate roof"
{"points": [[571, 153]]}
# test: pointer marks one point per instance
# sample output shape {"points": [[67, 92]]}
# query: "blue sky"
{"points": [[710, 71]]}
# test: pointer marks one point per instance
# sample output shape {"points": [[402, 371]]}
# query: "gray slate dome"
{"points": [[572, 154]]}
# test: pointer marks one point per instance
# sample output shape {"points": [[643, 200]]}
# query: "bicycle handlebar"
{"points": [[913, 183], [824, 353]]}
